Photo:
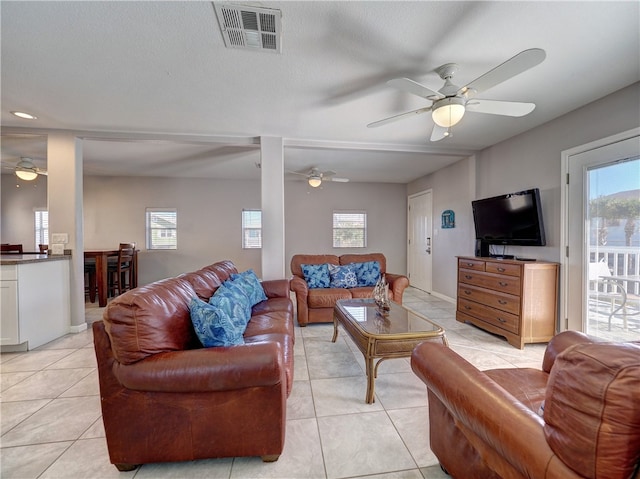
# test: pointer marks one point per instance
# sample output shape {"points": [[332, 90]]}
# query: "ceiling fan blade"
{"points": [[512, 67], [391, 119], [298, 173], [337, 180], [328, 173], [497, 107], [439, 132], [42, 172], [410, 86]]}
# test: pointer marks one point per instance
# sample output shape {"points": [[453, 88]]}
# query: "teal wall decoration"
{"points": [[448, 219]]}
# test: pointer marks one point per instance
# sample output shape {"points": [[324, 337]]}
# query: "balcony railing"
{"points": [[621, 260]]}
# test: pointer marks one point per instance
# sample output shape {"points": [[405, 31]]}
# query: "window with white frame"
{"points": [[349, 229], [41, 227], [251, 229], [162, 228]]}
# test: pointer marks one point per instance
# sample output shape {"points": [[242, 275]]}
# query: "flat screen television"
{"points": [[511, 219]]}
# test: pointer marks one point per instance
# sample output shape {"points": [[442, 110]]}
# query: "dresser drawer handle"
{"points": [[466, 291], [502, 283], [469, 265], [467, 307], [501, 270], [467, 276], [502, 301], [501, 320]]}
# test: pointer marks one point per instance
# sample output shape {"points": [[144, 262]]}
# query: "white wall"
{"points": [[532, 159], [209, 219], [309, 216]]}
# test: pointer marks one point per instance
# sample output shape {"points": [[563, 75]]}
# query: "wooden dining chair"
{"points": [[11, 248], [121, 271]]}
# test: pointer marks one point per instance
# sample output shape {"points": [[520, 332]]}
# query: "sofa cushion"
{"points": [[151, 319], [527, 385], [249, 282], [214, 326], [268, 323], [343, 276], [204, 282], [233, 301], [368, 273], [364, 257], [326, 298], [299, 259], [316, 275], [592, 416], [273, 305]]}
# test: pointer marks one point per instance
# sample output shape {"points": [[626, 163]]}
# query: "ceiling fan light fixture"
{"points": [[25, 170], [448, 111], [314, 181], [26, 175]]}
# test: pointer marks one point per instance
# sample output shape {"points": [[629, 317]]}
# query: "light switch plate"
{"points": [[60, 238]]}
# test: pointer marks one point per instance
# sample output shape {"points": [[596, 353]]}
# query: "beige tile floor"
{"points": [[51, 425]]}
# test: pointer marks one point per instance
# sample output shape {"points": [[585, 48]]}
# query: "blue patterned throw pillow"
{"points": [[343, 276], [233, 301], [213, 326], [250, 283], [316, 275], [368, 273]]}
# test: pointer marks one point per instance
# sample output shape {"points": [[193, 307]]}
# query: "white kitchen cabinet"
{"points": [[35, 301]]}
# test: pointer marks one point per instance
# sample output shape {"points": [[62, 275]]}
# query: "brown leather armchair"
{"points": [[578, 417]]}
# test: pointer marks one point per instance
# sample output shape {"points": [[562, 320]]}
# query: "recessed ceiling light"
{"points": [[24, 115]]}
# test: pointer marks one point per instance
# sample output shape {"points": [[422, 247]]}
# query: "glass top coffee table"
{"points": [[382, 336]]}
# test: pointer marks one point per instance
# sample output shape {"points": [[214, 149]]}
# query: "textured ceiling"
{"points": [[154, 91]]}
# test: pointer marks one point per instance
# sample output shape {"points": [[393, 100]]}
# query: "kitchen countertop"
{"points": [[10, 259]]}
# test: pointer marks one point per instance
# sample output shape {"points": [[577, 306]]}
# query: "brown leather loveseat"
{"points": [[166, 398], [578, 417], [315, 305]]}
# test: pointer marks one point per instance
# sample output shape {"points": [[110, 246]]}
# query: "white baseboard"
{"points": [[444, 297], [78, 328]]}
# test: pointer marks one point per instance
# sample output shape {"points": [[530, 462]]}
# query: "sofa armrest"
{"points": [[561, 342], [276, 288], [257, 364], [487, 413], [397, 284], [301, 288]]}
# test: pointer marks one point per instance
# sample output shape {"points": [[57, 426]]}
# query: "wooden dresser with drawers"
{"points": [[511, 298]]}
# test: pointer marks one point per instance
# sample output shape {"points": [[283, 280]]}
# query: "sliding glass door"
{"points": [[603, 231]]}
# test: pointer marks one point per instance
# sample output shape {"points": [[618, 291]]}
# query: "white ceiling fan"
{"points": [[450, 103], [315, 177], [26, 170]]}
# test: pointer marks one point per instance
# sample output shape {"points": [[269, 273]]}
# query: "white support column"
{"points": [[64, 198], [272, 188]]}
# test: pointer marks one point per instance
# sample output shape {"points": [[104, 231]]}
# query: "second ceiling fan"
{"points": [[450, 103]]}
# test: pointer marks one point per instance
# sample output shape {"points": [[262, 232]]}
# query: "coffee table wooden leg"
{"points": [[371, 377], [335, 330]]}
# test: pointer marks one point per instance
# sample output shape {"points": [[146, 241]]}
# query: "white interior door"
{"points": [[419, 249], [622, 150]]}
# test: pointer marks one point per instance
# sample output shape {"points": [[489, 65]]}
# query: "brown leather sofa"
{"points": [[489, 424], [166, 398], [316, 305]]}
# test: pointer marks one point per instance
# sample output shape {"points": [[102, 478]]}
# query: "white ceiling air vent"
{"points": [[250, 28]]}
